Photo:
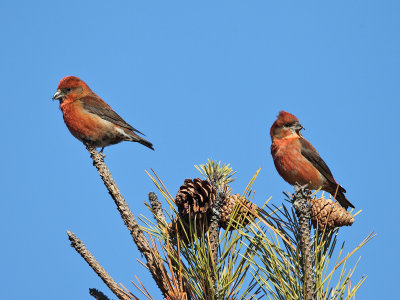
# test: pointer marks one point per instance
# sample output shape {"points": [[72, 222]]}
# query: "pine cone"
{"points": [[329, 214], [227, 209], [195, 196]]}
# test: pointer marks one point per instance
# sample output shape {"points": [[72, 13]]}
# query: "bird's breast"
{"points": [[86, 126], [293, 166]]}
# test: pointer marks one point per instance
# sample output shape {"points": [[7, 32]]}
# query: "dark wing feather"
{"points": [[309, 152], [95, 105]]}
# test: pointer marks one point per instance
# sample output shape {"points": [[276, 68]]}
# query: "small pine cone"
{"points": [[329, 214], [195, 196], [229, 205]]}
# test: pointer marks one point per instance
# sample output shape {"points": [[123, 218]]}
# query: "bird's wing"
{"points": [[309, 152], [97, 106]]}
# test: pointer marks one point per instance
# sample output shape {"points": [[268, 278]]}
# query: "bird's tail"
{"points": [[145, 143], [133, 137], [341, 198]]}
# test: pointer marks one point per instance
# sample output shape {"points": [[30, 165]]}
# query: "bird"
{"points": [[297, 161], [90, 119]]}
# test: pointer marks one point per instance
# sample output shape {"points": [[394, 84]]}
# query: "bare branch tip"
{"points": [[98, 294]]}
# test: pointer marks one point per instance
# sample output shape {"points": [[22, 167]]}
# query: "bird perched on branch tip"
{"points": [[297, 161], [90, 119]]}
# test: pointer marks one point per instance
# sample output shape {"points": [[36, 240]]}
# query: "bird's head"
{"points": [[70, 86], [286, 125]]}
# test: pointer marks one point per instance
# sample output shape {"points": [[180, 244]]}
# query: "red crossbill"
{"points": [[90, 119], [297, 161]]}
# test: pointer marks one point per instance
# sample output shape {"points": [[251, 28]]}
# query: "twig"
{"points": [[157, 208], [214, 231], [303, 212], [94, 264], [127, 216], [175, 263], [98, 294]]}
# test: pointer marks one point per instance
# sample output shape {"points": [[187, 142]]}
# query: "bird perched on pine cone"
{"points": [[297, 161], [90, 119]]}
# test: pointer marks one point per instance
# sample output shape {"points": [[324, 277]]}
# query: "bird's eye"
{"points": [[67, 90], [287, 124]]}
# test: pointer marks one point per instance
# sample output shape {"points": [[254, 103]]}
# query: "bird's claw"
{"points": [[300, 191], [299, 200], [303, 189], [102, 155]]}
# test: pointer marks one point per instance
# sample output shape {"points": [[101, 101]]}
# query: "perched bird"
{"points": [[297, 161], [90, 119]]}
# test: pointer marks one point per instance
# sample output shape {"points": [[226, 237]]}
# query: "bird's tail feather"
{"points": [[145, 143], [341, 198], [133, 137]]}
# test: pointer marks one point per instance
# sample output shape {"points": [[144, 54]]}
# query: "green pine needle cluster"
{"points": [[218, 174], [260, 260]]}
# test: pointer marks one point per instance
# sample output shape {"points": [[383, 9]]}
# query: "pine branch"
{"points": [[214, 231], [94, 264], [137, 234], [303, 212]]}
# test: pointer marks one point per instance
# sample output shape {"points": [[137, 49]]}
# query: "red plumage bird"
{"points": [[297, 161], [90, 119]]}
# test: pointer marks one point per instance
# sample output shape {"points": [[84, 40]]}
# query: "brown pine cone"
{"points": [[228, 207], [195, 196], [329, 214]]}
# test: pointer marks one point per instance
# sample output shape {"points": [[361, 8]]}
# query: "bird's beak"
{"points": [[58, 95], [298, 127]]}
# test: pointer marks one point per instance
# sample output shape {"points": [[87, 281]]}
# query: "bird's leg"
{"points": [[101, 154]]}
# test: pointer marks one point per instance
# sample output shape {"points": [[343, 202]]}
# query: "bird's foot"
{"points": [[299, 200], [301, 191], [89, 145], [102, 155]]}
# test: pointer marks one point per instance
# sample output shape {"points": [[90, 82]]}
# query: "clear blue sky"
{"points": [[200, 80]]}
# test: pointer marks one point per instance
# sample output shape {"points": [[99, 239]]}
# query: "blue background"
{"points": [[200, 80]]}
